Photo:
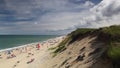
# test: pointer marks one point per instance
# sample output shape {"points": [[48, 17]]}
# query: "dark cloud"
{"points": [[44, 16], [78, 1], [95, 1]]}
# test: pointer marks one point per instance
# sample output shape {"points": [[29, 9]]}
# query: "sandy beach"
{"points": [[28, 56]]}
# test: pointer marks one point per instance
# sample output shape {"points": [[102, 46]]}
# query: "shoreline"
{"points": [[33, 57], [2, 50], [15, 51], [17, 47], [10, 41]]}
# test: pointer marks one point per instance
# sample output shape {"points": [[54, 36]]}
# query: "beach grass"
{"points": [[61, 47], [81, 31], [110, 34], [113, 33], [114, 51], [52, 48]]}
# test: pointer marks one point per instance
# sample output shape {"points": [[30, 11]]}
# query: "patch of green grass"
{"points": [[111, 35], [113, 32], [70, 37], [52, 48], [114, 51], [61, 47], [58, 50], [81, 31]]}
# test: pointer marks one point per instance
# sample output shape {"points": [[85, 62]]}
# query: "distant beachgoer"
{"points": [[12, 55], [30, 61], [9, 52], [38, 46]]}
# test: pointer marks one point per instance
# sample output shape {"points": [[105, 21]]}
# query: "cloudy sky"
{"points": [[56, 16]]}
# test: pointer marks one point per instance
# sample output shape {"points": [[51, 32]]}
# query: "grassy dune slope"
{"points": [[109, 35]]}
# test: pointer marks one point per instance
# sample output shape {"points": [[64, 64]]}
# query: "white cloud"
{"points": [[63, 16], [65, 19], [105, 13], [62, 19]]}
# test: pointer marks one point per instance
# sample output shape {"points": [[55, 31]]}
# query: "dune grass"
{"points": [[81, 31], [112, 33], [114, 41], [61, 47], [113, 38], [114, 51], [52, 48], [73, 35], [112, 30]]}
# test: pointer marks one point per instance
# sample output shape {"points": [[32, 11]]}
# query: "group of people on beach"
{"points": [[11, 53], [26, 55]]}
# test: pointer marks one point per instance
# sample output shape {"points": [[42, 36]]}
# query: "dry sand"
{"points": [[29, 56], [83, 53]]}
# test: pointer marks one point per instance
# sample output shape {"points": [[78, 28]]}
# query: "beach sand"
{"points": [[28, 56]]}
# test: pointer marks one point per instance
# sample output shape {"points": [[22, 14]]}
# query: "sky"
{"points": [[50, 17]]}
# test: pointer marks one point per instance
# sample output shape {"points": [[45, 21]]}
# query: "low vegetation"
{"points": [[61, 47], [80, 33], [110, 34], [113, 38], [113, 32], [114, 52], [71, 38], [52, 48]]}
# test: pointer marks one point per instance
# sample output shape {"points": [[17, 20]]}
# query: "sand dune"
{"points": [[84, 53]]}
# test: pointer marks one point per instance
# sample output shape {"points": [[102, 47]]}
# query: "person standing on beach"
{"points": [[9, 54], [38, 46]]}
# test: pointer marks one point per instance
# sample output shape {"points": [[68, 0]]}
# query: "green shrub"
{"points": [[113, 33], [52, 48], [114, 51], [61, 47], [81, 31]]}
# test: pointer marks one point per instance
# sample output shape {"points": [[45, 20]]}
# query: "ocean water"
{"points": [[9, 41]]}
